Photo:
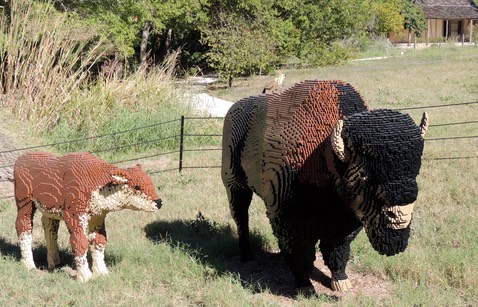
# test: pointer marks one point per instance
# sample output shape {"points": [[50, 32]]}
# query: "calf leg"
{"points": [[239, 202], [50, 227], [97, 240], [24, 226], [77, 225]]}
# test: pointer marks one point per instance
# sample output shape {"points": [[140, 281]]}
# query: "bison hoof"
{"points": [[343, 285]]}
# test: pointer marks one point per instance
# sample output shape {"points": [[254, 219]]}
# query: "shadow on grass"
{"points": [[217, 246], [40, 255]]}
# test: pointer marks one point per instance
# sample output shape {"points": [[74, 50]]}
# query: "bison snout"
{"points": [[159, 203], [398, 217]]}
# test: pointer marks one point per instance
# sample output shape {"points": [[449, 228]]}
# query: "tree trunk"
{"points": [[143, 51], [165, 43], [168, 39]]}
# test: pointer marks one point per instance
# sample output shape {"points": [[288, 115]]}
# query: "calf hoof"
{"points": [[54, 263], [30, 265], [343, 285], [83, 275], [99, 270]]}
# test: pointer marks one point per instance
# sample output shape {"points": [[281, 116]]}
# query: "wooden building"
{"points": [[447, 20]]}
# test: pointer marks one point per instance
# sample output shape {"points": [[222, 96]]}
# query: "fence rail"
{"points": [[183, 135]]}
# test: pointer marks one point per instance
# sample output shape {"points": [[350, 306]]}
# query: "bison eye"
{"points": [[363, 176]]}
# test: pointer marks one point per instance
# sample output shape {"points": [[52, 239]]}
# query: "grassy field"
{"points": [[186, 254]]}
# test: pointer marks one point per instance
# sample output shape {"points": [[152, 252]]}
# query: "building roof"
{"points": [[448, 9]]}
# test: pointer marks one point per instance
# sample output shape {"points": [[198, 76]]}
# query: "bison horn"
{"points": [[424, 124], [337, 141]]}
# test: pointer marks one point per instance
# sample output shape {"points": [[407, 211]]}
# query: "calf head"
{"points": [[377, 159], [133, 189]]}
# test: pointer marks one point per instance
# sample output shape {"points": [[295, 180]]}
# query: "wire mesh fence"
{"points": [[181, 137]]}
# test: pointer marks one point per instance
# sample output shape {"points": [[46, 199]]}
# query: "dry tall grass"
{"points": [[46, 56]]}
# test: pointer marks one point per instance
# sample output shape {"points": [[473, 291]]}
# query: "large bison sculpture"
{"points": [[325, 166], [80, 189]]}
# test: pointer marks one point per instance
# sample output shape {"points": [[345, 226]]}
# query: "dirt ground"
{"points": [[270, 271]]}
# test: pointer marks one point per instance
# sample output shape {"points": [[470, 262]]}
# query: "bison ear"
{"points": [[338, 142], [424, 124]]}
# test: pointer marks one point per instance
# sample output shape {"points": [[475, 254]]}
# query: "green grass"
{"points": [[187, 255]]}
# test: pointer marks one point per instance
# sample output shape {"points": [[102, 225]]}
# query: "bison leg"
{"points": [[336, 255], [97, 240], [239, 202], [299, 253], [77, 225], [24, 226], [50, 227]]}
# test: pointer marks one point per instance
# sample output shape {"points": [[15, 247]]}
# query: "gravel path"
{"points": [[201, 101]]}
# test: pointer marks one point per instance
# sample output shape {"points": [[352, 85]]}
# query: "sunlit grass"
{"points": [[186, 254]]}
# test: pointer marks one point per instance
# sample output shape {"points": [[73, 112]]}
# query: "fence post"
{"points": [[181, 144]]}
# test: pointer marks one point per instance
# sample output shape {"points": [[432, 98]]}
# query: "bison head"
{"points": [[378, 157]]}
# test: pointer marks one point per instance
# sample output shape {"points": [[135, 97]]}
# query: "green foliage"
{"points": [[120, 22], [238, 46], [386, 17], [327, 54], [414, 19], [323, 27], [313, 31]]}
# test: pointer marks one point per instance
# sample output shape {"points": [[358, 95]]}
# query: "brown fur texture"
{"points": [[279, 146], [80, 189]]}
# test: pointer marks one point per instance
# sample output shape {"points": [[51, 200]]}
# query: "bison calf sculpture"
{"points": [[325, 166], [80, 189]]}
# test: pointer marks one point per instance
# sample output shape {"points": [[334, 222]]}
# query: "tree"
{"points": [[414, 19], [126, 24], [237, 46], [323, 26], [386, 17]]}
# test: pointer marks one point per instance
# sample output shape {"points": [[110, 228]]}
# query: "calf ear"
{"points": [[119, 176], [119, 179]]}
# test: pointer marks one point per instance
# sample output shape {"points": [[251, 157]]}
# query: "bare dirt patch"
{"points": [[270, 271]]}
